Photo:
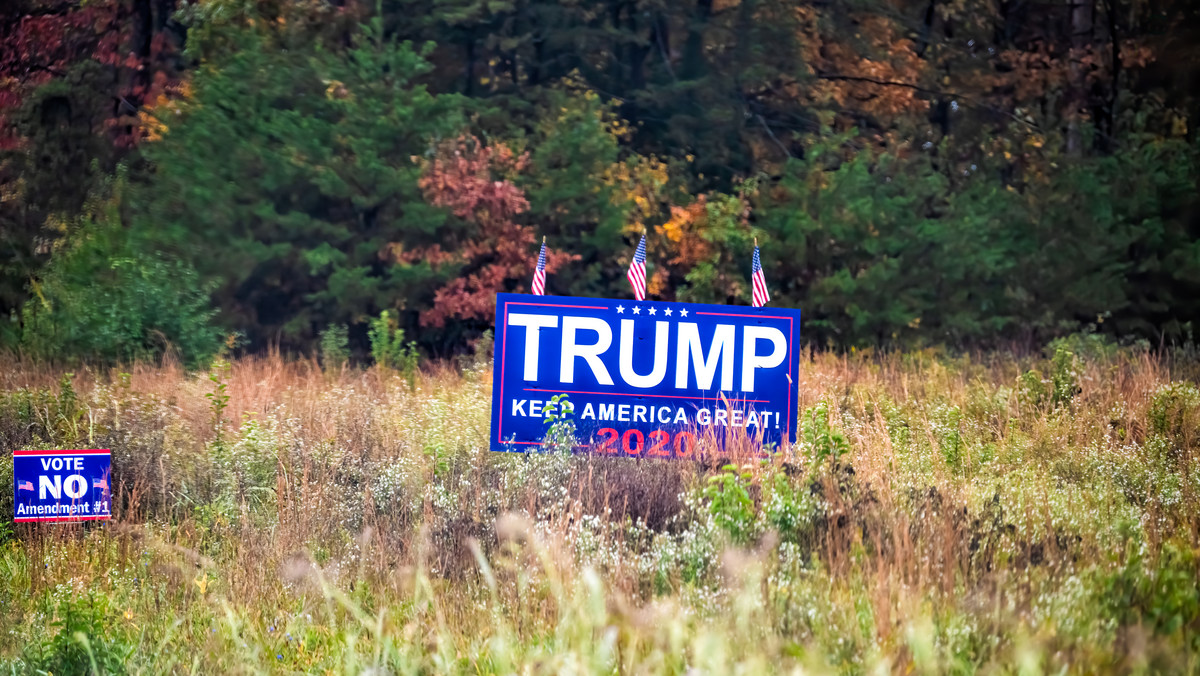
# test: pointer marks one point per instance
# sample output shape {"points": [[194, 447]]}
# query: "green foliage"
{"points": [[730, 505], [560, 435], [570, 199], [106, 297], [39, 416], [728, 239], [792, 509], [335, 347], [882, 248], [283, 167], [95, 305], [46, 180], [80, 640], [484, 350], [291, 178], [818, 440], [1033, 390], [1037, 391], [389, 349], [1175, 412], [247, 471], [947, 426], [218, 399], [1160, 594], [1064, 377], [1090, 346]]}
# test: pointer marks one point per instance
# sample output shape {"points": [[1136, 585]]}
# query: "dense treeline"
{"points": [[917, 171]]}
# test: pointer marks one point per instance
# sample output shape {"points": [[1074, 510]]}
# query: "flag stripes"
{"points": [[637, 271], [758, 281], [539, 275]]}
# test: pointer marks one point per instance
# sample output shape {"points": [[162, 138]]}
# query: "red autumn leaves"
{"points": [[475, 181]]}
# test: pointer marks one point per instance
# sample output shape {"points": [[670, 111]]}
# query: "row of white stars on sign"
{"points": [[651, 310]]}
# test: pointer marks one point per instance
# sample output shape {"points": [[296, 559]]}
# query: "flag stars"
{"points": [[683, 312], [620, 309], [667, 312], [637, 310], [653, 310]]}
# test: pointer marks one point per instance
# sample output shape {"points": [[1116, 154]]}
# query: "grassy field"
{"points": [[991, 514]]}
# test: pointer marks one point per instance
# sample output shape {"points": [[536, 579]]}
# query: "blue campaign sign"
{"points": [[642, 378], [62, 485]]}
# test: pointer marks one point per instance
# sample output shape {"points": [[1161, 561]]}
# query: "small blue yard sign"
{"points": [[62, 485]]}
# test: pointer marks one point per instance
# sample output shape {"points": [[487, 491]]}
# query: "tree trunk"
{"points": [[693, 53], [1082, 12]]}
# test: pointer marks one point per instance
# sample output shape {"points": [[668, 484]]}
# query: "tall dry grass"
{"points": [[938, 514]]}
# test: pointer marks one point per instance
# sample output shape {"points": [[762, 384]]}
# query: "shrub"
{"points": [[1175, 411], [730, 505], [560, 435], [792, 510], [335, 347], [388, 347], [818, 439], [81, 642], [947, 425], [1162, 595], [104, 297], [1037, 391]]}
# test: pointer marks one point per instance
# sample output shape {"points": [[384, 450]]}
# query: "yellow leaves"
{"points": [[170, 100], [639, 184], [152, 127], [335, 90], [683, 219], [658, 282], [1179, 126], [619, 128], [686, 229]]}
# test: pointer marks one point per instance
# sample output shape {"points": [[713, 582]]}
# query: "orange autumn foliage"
{"points": [[473, 180]]}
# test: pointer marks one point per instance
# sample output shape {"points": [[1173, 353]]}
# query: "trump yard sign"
{"points": [[641, 378], [62, 485]]}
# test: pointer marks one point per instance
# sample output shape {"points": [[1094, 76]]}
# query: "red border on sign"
{"points": [[92, 517], [504, 362], [504, 352], [67, 451], [660, 396], [791, 338]]}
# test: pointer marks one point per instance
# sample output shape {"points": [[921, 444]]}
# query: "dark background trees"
{"points": [[917, 171]]}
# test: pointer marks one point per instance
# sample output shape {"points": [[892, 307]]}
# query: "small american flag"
{"points": [[539, 275], [637, 271], [100, 483], [761, 296], [24, 485]]}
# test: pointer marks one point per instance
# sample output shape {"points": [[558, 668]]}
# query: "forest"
{"points": [[250, 252], [271, 174]]}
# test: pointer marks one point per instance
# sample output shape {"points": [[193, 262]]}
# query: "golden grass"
{"points": [[969, 527]]}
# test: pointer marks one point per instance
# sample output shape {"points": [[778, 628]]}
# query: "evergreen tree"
{"points": [[291, 179]]}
